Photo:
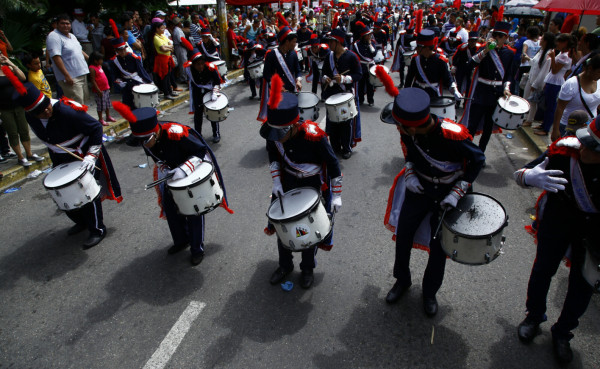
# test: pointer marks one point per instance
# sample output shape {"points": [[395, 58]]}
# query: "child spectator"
{"points": [[100, 87], [36, 75]]}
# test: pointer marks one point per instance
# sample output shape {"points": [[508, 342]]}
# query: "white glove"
{"points": [[547, 180], [346, 79], [456, 193], [178, 173], [457, 94], [88, 162], [336, 197], [276, 176], [411, 180], [190, 165], [453, 70], [336, 203], [213, 96]]}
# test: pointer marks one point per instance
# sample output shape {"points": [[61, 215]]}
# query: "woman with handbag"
{"points": [[540, 66]]}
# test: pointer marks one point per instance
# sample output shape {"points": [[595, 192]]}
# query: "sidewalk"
{"points": [[14, 173], [541, 143]]}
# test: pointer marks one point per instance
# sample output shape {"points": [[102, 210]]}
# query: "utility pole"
{"points": [[222, 20]]}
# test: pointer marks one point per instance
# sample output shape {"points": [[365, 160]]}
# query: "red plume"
{"points": [[387, 81], [500, 14], [264, 26], [186, 44], [115, 30], [14, 80], [477, 25], [275, 92], [335, 20], [313, 36], [125, 111], [202, 25], [419, 21], [281, 20], [360, 24]]}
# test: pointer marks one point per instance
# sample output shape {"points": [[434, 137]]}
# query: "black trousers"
{"points": [[340, 135], [476, 114], [91, 216], [365, 84]]}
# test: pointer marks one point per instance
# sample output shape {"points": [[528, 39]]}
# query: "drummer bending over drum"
{"points": [[65, 123], [365, 51], [300, 156], [177, 150], [569, 174], [441, 164], [341, 74]]}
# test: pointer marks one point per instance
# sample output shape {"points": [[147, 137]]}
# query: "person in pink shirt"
{"points": [[100, 87]]}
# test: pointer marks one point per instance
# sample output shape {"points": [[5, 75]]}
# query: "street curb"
{"points": [[538, 142], [18, 173]]}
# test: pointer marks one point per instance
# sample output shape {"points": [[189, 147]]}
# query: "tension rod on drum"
{"points": [[437, 229]]}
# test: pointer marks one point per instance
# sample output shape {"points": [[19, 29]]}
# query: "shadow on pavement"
{"points": [[255, 158], [261, 313], [398, 336]]}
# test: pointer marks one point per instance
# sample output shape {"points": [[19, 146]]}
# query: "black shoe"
{"points": [[307, 278], [371, 104], [9, 154], [77, 228], [252, 97], [3, 159], [430, 306], [197, 258], [562, 350], [176, 248], [396, 292], [528, 329], [216, 138], [93, 240], [278, 275], [347, 155]]}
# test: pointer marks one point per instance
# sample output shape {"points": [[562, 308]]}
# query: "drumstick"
{"points": [[341, 74], [440, 223], [73, 155], [159, 181], [281, 202]]}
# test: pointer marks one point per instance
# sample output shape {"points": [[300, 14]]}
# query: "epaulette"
{"points": [[567, 146], [187, 64], [135, 56], [511, 49], [442, 56], [176, 131], [454, 131], [73, 104], [312, 131], [478, 45], [402, 32], [212, 67], [324, 47], [383, 31]]}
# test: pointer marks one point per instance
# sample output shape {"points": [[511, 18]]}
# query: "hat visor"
{"points": [[273, 134], [386, 114], [587, 140]]}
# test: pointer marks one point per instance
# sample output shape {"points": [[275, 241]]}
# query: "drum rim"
{"points": [[492, 258], [301, 215], [155, 91], [451, 98], [209, 93], [194, 184], [306, 93], [255, 64], [471, 237], [340, 102], [508, 111], [68, 183]]}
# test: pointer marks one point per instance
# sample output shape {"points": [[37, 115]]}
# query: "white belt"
{"points": [[450, 178], [489, 82], [302, 174]]}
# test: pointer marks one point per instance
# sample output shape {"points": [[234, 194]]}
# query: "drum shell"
{"points": [[444, 110], [503, 118], [221, 67], [408, 56], [591, 270], [341, 111], [215, 115], [145, 99], [200, 197], [314, 221], [373, 80], [256, 70], [307, 103], [299, 54], [76, 193]]}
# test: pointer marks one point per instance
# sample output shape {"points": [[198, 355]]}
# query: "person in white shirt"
{"points": [[540, 66], [82, 31]]}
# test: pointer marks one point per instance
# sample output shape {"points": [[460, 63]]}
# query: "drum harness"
{"points": [[127, 75], [455, 169], [435, 86], [499, 67], [363, 59], [303, 170]]}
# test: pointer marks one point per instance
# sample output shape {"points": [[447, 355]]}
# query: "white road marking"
{"points": [[169, 345]]}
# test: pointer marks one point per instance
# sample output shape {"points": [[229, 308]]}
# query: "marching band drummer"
{"points": [[203, 77], [300, 156], [462, 61], [177, 150], [66, 123], [429, 70], [253, 53], [341, 73], [441, 164], [568, 215], [402, 46], [317, 53], [365, 51], [209, 46]]}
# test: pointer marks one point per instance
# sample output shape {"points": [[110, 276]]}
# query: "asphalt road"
{"points": [[127, 304]]}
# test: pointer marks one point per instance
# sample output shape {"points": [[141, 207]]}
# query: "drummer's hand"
{"points": [[336, 203], [338, 79], [456, 193], [457, 94], [507, 93], [214, 96], [178, 173], [413, 184], [327, 80], [298, 85], [548, 180], [88, 162]]}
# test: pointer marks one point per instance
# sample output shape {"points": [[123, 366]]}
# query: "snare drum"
{"points": [[221, 66], [145, 96], [299, 53], [443, 107], [198, 193], [341, 107], [379, 58], [71, 186], [591, 266], [408, 57], [218, 110], [375, 82], [509, 114], [303, 222], [307, 102], [472, 232], [305, 51], [256, 69]]}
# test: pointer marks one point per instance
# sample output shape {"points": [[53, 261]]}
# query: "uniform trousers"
{"points": [[184, 229], [557, 230], [365, 84], [199, 114], [476, 114], [340, 135], [316, 74], [414, 209], [91, 216]]}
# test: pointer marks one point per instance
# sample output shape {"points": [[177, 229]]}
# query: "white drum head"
{"points": [[307, 100], [514, 105], [442, 101], [145, 88], [372, 70], [476, 215], [218, 63], [221, 102], [204, 171], [63, 174], [256, 64], [295, 202], [338, 98]]}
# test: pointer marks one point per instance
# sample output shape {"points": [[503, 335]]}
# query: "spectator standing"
{"points": [[35, 74], [100, 87], [68, 60], [97, 32], [163, 62], [195, 29], [106, 47], [82, 31], [180, 50], [540, 66], [5, 45]]}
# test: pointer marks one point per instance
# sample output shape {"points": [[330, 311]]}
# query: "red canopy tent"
{"points": [[590, 7]]}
